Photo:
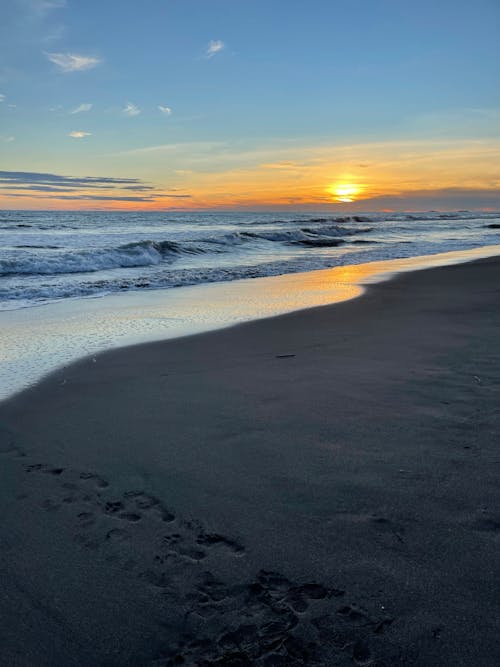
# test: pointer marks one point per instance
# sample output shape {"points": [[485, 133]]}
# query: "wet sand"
{"points": [[317, 488]]}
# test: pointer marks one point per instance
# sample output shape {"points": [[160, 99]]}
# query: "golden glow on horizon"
{"points": [[412, 175], [344, 192]]}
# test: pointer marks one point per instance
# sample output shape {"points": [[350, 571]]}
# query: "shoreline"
{"points": [[319, 485], [41, 339]]}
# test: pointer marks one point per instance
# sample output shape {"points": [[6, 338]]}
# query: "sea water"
{"points": [[47, 256], [52, 264]]}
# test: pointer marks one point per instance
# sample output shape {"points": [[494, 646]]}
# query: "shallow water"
{"points": [[36, 341]]}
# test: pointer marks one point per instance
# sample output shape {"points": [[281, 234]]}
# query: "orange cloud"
{"points": [[371, 176]]}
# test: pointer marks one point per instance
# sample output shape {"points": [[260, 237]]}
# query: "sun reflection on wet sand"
{"points": [[36, 341]]}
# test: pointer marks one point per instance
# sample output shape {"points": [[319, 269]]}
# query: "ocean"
{"points": [[48, 256]]}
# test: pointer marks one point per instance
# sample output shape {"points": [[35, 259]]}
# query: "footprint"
{"points": [[214, 539], [43, 467], [117, 535], [35, 467], [262, 623], [165, 559], [86, 519], [354, 614], [98, 481], [193, 554], [165, 515], [113, 506], [212, 588], [142, 500], [173, 539], [130, 516], [296, 601], [386, 525], [315, 591], [245, 637], [53, 471]]}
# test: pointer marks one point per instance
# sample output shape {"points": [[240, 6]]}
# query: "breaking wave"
{"points": [[143, 253], [150, 253], [47, 256]]}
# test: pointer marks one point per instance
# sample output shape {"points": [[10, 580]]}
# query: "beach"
{"points": [[315, 488]]}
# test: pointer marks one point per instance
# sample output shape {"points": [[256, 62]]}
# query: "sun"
{"points": [[344, 192]]}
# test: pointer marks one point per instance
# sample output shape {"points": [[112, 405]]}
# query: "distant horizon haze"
{"points": [[355, 107]]}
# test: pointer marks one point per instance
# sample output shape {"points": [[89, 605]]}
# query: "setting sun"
{"points": [[344, 192]]}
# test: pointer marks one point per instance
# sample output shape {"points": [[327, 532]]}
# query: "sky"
{"points": [[363, 105]]}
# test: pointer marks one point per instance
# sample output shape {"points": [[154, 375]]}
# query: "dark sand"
{"points": [[318, 488]]}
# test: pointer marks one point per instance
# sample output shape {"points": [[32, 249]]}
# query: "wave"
{"points": [[307, 235], [16, 226], [142, 253], [51, 260], [40, 254], [321, 243], [47, 247]]}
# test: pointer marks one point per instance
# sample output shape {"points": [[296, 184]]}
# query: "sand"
{"points": [[316, 488]]}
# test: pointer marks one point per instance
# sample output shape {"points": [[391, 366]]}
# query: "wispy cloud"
{"points": [[2, 97], [131, 110], [78, 134], [73, 62], [195, 146], [82, 108], [44, 6], [214, 46], [56, 186], [165, 110], [7, 140], [44, 178]]}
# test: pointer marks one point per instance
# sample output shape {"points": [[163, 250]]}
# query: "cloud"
{"points": [[165, 110], [8, 140], [285, 165], [72, 62], [187, 146], [78, 134], [55, 186], [82, 108], [439, 198], [44, 6], [2, 97], [214, 46], [131, 110], [166, 196], [105, 198], [28, 177]]}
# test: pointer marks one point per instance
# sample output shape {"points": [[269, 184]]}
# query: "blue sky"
{"points": [[238, 80]]}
